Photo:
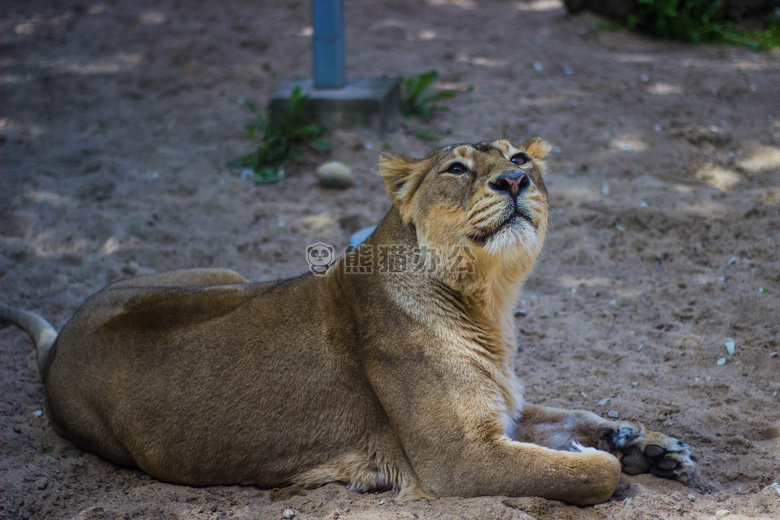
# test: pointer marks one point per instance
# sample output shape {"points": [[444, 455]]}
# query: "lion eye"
{"points": [[457, 169], [519, 159]]}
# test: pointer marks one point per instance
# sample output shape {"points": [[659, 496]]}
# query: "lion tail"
{"points": [[40, 330]]}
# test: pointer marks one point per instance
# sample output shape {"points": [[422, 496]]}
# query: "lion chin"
{"points": [[391, 368], [515, 235]]}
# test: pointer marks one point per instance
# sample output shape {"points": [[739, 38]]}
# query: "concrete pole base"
{"points": [[370, 104]]}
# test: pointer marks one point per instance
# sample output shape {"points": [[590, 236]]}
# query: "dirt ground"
{"points": [[117, 121]]}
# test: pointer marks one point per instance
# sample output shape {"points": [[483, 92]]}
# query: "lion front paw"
{"points": [[645, 451]]}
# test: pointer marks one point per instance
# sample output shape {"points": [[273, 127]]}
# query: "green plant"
{"points": [[418, 99], [698, 21], [280, 141]]}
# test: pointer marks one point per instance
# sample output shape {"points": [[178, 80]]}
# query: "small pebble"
{"points": [[644, 78], [722, 512], [605, 190], [613, 414], [381, 502], [38, 413], [730, 346], [604, 401], [335, 175], [538, 67], [288, 513], [583, 394], [568, 71], [721, 361], [691, 497], [42, 483]]}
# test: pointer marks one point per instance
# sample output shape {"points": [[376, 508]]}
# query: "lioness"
{"points": [[400, 376]]}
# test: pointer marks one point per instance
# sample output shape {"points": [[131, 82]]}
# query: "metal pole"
{"points": [[330, 69]]}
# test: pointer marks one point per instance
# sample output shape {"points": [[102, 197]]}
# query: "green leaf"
{"points": [[417, 99], [320, 144]]}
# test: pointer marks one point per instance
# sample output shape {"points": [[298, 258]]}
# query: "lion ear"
{"points": [[537, 148], [400, 175]]}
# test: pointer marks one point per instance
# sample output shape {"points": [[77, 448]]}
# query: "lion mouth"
{"points": [[519, 215]]}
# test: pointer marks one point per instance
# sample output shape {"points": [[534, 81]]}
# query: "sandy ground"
{"points": [[118, 119]]}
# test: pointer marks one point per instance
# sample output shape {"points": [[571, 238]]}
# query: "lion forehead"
{"points": [[469, 153]]}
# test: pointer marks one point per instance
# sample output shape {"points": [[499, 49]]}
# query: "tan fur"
{"points": [[398, 378]]}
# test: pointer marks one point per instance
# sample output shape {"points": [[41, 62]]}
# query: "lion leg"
{"points": [[638, 449], [183, 278]]}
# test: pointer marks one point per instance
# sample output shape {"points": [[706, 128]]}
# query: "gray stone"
{"points": [[335, 175]]}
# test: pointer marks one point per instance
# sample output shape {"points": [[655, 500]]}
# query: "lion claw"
{"points": [[645, 451]]}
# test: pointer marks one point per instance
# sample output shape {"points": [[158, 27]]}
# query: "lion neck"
{"points": [[492, 289], [483, 295]]}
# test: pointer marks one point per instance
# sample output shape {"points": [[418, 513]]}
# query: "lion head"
{"points": [[486, 200]]}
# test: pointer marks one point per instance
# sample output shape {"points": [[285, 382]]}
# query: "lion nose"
{"points": [[513, 183]]}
